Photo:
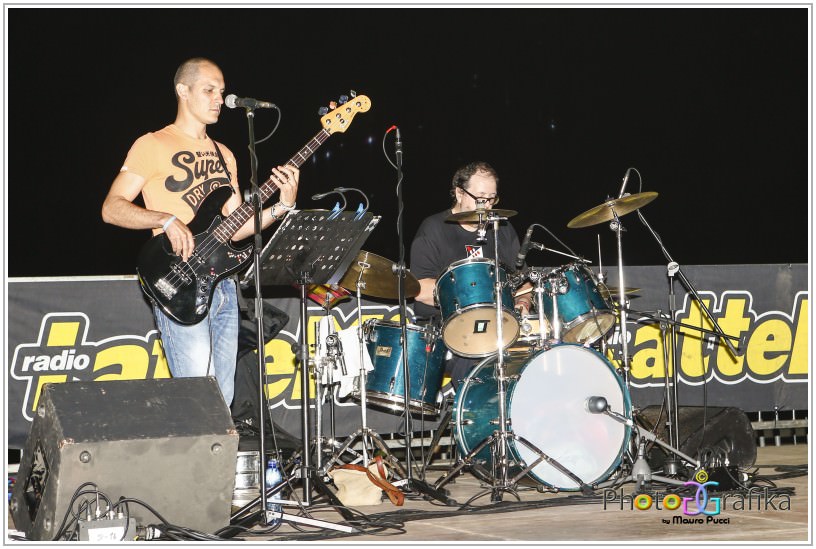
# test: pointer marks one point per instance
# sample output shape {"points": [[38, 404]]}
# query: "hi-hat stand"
{"points": [[309, 247]]}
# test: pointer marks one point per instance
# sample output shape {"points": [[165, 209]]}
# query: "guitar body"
{"points": [[183, 290]]}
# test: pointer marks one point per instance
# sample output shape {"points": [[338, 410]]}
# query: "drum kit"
{"points": [[544, 402]]}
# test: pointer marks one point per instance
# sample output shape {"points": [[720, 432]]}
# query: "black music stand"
{"points": [[312, 247]]}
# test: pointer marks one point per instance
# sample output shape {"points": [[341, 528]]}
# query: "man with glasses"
{"points": [[439, 243]]}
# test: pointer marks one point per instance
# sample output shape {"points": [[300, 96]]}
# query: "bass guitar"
{"points": [[184, 289]]}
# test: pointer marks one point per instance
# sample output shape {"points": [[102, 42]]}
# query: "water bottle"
{"points": [[273, 477]]}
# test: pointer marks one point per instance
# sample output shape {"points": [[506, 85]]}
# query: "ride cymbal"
{"points": [[378, 277], [607, 211], [480, 215]]}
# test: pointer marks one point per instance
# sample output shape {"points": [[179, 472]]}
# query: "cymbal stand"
{"points": [[367, 436], [617, 227]]}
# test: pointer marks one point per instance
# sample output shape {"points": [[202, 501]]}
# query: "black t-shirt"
{"points": [[439, 243]]}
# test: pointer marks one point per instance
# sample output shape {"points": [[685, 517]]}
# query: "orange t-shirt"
{"points": [[180, 171]]}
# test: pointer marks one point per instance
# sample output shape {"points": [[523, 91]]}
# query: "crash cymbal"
{"points": [[604, 212], [480, 215], [379, 279]]}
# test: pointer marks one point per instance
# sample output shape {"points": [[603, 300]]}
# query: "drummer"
{"points": [[439, 243]]}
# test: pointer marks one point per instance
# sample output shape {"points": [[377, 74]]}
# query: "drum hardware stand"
{"points": [[409, 484], [641, 472], [444, 423], [499, 440], [366, 435], [327, 364], [667, 323], [306, 242], [617, 227], [673, 269]]}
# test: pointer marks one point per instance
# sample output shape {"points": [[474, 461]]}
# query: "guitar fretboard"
{"points": [[245, 211]]}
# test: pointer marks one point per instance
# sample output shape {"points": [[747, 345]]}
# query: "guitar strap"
{"points": [[223, 163]]}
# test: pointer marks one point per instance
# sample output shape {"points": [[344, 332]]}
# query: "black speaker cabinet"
{"points": [[168, 442], [728, 432]]}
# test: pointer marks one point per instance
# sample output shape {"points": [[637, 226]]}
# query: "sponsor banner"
{"points": [[83, 329]]}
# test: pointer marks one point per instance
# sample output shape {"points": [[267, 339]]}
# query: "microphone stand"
{"points": [[255, 197], [673, 269], [411, 484]]}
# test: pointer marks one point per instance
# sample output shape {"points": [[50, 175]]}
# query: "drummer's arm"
{"points": [[426, 291], [524, 301]]}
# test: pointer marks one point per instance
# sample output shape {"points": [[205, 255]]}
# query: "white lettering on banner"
{"points": [[62, 353]]}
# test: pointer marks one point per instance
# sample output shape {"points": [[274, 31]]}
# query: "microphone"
{"points": [[625, 179], [399, 147], [525, 248], [233, 101], [596, 405]]}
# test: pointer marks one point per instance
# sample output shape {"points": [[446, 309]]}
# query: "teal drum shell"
{"points": [[466, 295], [385, 385], [546, 405], [584, 314]]}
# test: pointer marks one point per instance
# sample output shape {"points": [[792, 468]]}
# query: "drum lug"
{"points": [[462, 422], [496, 422]]}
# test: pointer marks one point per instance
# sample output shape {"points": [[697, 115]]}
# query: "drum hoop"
{"points": [[468, 260], [393, 324]]}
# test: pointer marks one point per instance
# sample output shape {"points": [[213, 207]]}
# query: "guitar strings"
{"points": [[212, 243]]}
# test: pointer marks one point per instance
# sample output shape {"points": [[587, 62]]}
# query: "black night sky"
{"points": [[709, 104]]}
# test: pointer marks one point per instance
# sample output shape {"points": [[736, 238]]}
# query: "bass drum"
{"points": [[546, 398]]}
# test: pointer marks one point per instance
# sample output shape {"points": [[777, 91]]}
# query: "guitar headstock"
{"points": [[340, 118]]}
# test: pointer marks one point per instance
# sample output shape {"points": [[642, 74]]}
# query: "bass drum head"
{"points": [[548, 409]]}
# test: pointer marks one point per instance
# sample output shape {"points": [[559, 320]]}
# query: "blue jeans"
{"points": [[209, 348]]}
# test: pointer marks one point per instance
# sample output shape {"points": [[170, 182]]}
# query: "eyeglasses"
{"points": [[492, 200]]}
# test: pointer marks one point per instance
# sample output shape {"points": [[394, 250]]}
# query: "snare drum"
{"points": [[584, 315], [385, 384], [467, 299]]}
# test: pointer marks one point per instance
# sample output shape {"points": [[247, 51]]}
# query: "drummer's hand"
{"points": [[523, 307]]}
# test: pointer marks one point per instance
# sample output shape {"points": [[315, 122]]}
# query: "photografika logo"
{"points": [[701, 508]]}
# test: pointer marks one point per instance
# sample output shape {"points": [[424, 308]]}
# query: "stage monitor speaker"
{"points": [[728, 433], [170, 443]]}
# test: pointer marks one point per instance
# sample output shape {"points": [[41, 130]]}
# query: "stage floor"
{"points": [[779, 514], [767, 516]]}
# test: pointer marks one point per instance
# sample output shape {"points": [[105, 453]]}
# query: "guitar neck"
{"points": [[245, 211]]}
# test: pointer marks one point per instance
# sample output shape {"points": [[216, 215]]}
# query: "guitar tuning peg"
{"points": [[332, 105], [353, 94], [343, 99], [323, 111]]}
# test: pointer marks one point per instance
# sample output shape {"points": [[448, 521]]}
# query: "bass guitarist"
{"points": [[175, 169]]}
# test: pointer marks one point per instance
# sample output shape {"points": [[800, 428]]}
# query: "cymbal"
{"points": [[476, 214], [379, 279], [612, 293], [604, 212]]}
